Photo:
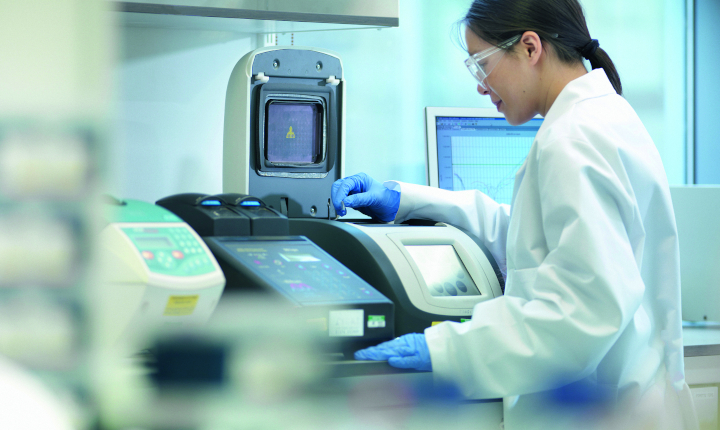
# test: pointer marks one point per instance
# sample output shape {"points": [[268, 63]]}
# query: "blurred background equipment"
{"points": [[56, 86], [155, 270], [255, 365]]}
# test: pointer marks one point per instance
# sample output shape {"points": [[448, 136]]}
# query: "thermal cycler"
{"points": [[284, 142], [155, 271], [252, 244]]}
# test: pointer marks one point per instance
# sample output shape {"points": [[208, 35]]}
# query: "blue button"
{"points": [[462, 287], [438, 288]]}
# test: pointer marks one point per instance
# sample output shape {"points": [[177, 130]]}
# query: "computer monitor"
{"points": [[476, 149]]}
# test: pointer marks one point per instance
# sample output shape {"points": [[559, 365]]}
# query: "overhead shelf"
{"points": [[260, 16]]}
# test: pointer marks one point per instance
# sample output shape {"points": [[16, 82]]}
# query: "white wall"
{"points": [[172, 91], [646, 41], [171, 102]]}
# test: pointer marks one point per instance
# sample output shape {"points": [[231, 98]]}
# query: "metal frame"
{"points": [[690, 92]]}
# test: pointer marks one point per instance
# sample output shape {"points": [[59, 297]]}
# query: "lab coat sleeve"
{"points": [[561, 315], [471, 210]]}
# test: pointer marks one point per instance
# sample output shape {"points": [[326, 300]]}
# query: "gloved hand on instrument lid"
{"points": [[367, 195], [409, 351]]}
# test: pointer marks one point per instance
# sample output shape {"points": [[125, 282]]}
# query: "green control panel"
{"points": [[170, 251]]}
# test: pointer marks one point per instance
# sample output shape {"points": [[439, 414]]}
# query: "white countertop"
{"points": [[701, 340]]}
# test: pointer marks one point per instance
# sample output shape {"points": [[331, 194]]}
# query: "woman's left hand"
{"points": [[409, 351]]}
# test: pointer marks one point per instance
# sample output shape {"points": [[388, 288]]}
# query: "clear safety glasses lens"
{"points": [[479, 65]]}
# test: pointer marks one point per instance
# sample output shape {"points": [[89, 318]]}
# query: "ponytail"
{"points": [[560, 23], [600, 59]]}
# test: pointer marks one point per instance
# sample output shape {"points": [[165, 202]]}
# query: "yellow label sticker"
{"points": [[462, 320], [181, 305]]}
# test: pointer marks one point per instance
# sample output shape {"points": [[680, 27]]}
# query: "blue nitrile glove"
{"points": [[409, 351], [366, 195]]}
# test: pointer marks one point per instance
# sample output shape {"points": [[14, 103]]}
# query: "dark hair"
{"points": [[560, 23]]}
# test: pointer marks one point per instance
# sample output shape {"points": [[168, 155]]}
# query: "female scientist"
{"points": [[592, 298]]}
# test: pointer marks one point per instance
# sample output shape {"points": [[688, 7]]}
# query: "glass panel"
{"points": [[293, 133]]}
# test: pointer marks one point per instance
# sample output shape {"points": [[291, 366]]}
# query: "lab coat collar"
{"points": [[593, 84]]}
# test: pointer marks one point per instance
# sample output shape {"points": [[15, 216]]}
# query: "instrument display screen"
{"points": [[299, 270], [443, 270], [153, 242]]}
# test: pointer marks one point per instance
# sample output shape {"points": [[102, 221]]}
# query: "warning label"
{"points": [[181, 305]]}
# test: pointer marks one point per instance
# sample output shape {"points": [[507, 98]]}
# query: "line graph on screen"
{"points": [[488, 164]]}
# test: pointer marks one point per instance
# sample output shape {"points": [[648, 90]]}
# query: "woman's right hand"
{"points": [[367, 195]]}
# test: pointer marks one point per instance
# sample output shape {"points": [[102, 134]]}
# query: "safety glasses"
{"points": [[480, 64]]}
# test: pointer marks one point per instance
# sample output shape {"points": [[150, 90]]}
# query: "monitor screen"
{"points": [[478, 152], [294, 132]]}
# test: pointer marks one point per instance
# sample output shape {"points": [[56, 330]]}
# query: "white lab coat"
{"points": [[592, 293]]}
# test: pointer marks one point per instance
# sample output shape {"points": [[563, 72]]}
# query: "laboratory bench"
{"points": [[702, 353], [701, 340], [702, 368]]}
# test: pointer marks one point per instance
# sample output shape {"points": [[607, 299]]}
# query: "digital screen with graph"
{"points": [[480, 153]]}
